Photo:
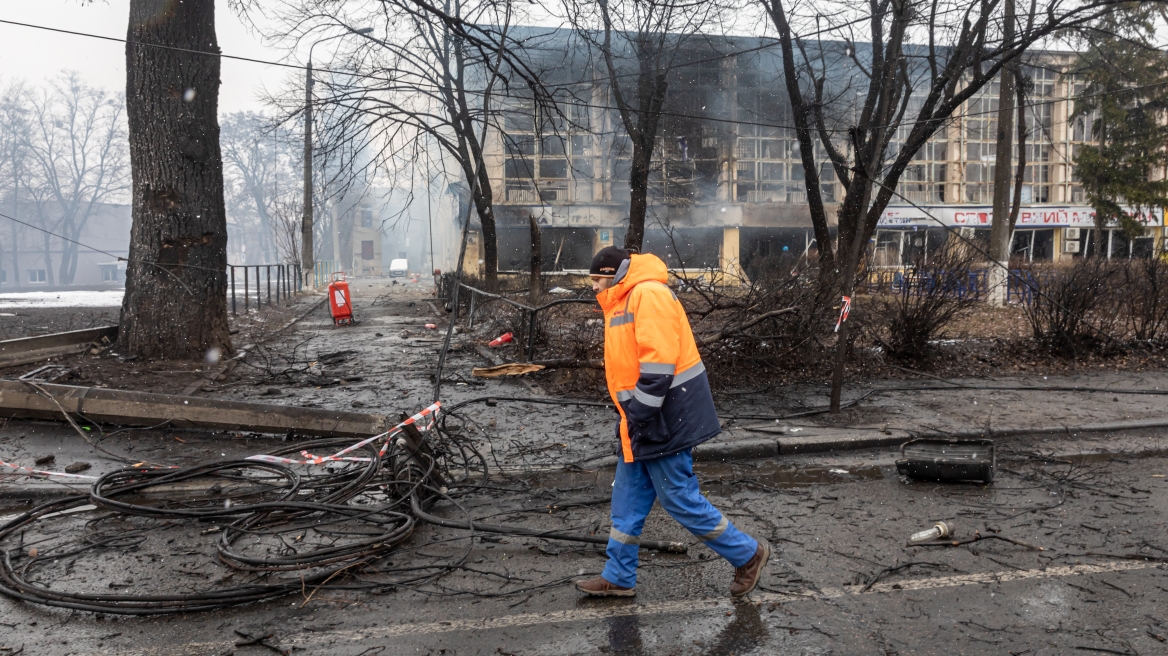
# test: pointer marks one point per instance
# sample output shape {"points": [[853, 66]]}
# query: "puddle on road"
{"points": [[633, 635], [786, 475]]}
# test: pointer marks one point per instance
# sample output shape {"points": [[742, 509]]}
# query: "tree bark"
{"points": [[536, 259], [307, 248], [1020, 168], [638, 197], [175, 305], [651, 88], [1000, 232], [484, 205]]}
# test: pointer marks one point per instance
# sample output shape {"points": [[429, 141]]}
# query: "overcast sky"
{"points": [[35, 55]]}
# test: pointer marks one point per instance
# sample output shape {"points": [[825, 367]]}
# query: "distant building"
{"points": [[32, 260], [727, 188]]}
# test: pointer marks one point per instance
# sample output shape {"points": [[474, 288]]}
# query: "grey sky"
{"points": [[36, 55]]}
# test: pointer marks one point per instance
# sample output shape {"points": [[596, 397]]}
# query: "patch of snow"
{"points": [[64, 299]]}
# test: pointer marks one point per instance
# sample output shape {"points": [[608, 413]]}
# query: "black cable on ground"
{"points": [[415, 506]]}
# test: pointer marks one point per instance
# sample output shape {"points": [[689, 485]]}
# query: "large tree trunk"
{"points": [[176, 286]]}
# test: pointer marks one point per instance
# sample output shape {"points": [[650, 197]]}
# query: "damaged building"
{"points": [[726, 189]]}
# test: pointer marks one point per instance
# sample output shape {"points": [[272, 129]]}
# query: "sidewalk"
{"points": [[385, 365]]}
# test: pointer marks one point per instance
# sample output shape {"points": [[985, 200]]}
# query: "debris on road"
{"points": [[47, 401], [25, 350], [505, 338], [939, 530], [509, 369], [947, 460]]}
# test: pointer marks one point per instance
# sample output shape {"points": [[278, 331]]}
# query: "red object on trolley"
{"points": [[505, 338], [340, 302]]}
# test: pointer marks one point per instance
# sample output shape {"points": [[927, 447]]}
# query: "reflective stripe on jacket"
{"points": [[655, 374]]}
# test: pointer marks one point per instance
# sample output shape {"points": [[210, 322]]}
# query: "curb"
{"points": [[718, 450], [874, 439], [752, 449], [771, 447]]}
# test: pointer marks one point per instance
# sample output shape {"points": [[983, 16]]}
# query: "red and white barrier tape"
{"points": [[339, 456], [40, 472], [845, 308]]}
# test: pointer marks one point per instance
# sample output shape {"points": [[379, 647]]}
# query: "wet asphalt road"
{"points": [[836, 522], [1097, 586]]}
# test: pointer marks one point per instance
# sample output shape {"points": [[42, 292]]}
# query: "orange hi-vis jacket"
{"points": [[655, 374]]}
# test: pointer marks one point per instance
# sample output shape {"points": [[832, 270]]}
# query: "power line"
{"points": [[436, 88], [98, 250], [156, 45], [301, 67]]}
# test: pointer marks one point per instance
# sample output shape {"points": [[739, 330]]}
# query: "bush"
{"points": [[756, 333], [1074, 310], [1145, 297], [927, 298]]}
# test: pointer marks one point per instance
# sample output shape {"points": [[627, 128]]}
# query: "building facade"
{"points": [[727, 183], [31, 259]]}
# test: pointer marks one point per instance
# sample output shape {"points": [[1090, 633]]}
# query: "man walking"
{"points": [[657, 380]]}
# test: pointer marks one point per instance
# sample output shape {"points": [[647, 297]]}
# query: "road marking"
{"points": [[708, 604]]}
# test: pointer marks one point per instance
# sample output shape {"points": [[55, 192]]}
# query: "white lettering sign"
{"points": [[965, 216]]}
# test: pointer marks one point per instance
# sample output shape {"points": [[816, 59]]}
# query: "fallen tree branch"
{"points": [[896, 568], [570, 363], [722, 334]]}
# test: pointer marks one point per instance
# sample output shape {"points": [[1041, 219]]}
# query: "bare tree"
{"points": [[286, 214], [176, 283], [429, 71], [638, 43], [896, 96], [77, 148], [261, 176], [13, 162]]}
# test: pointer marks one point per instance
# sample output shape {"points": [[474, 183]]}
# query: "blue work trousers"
{"points": [[671, 481]]}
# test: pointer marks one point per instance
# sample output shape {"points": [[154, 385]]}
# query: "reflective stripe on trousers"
{"points": [[669, 480]]}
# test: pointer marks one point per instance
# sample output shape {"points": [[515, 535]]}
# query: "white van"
{"points": [[399, 268]]}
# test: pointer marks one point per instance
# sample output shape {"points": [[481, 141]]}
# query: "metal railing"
{"points": [[974, 283], [322, 272], [526, 341], [261, 284]]}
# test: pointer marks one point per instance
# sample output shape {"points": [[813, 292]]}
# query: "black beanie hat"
{"points": [[607, 261]]}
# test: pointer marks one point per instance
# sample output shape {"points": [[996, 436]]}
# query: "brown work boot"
{"points": [[600, 587], [747, 576]]}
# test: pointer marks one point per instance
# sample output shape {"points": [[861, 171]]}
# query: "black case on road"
{"points": [[947, 460]]}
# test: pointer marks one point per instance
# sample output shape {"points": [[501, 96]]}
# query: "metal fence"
{"points": [[973, 283], [260, 284], [322, 272]]}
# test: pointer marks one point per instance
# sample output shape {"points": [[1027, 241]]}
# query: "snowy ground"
{"points": [[70, 299]]}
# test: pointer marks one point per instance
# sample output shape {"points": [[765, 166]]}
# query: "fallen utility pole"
{"points": [[46, 401], [26, 350]]}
